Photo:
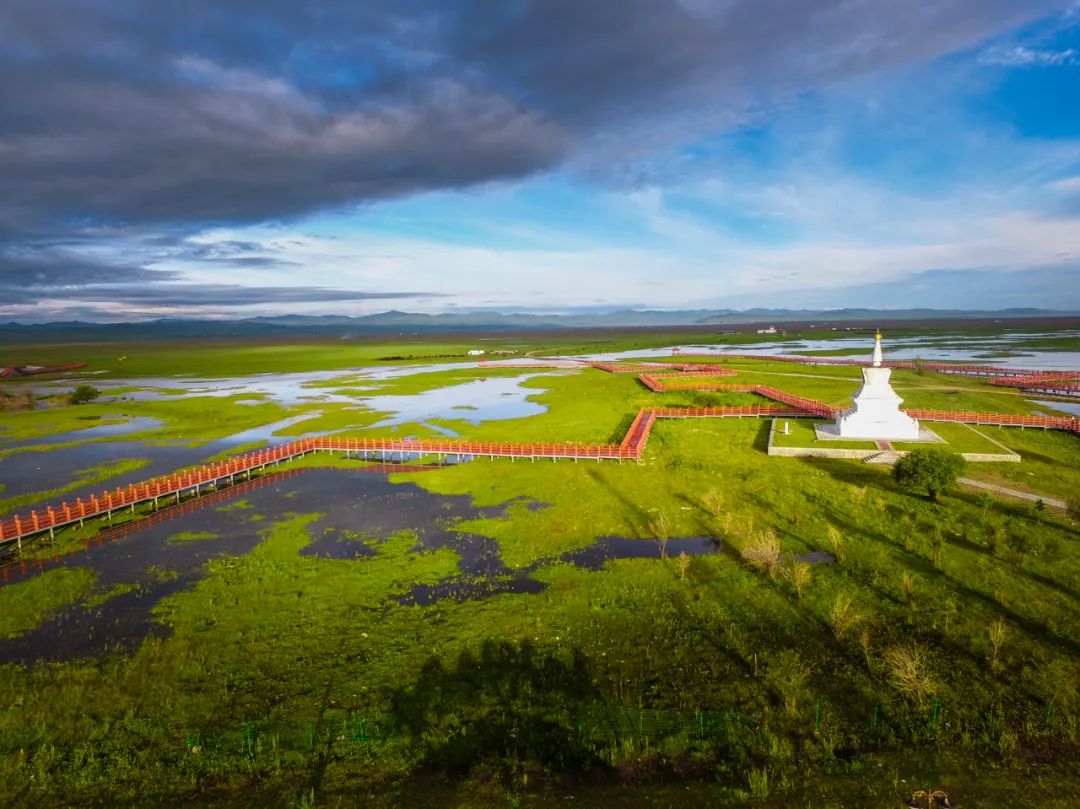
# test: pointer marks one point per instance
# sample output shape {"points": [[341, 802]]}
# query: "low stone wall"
{"points": [[821, 452], [990, 457]]}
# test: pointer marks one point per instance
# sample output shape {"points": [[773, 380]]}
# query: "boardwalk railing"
{"points": [[1066, 423]]}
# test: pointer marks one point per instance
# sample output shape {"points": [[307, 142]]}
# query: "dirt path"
{"points": [[978, 484]]}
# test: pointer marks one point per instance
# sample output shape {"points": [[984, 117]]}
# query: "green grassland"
{"points": [[738, 678], [959, 438]]}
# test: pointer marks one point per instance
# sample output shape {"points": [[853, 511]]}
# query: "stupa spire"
{"points": [[877, 349]]}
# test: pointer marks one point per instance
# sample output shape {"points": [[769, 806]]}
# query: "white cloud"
{"points": [[1021, 56]]}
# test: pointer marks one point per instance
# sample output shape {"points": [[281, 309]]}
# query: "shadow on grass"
{"points": [[621, 429], [640, 517], [842, 471], [761, 439], [923, 566], [507, 702]]}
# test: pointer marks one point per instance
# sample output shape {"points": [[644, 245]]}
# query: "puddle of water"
{"points": [[604, 550], [424, 595], [265, 433], [492, 399], [1072, 408], [359, 500], [817, 558]]}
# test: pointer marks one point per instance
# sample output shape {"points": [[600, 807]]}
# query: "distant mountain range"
{"points": [[406, 323]]}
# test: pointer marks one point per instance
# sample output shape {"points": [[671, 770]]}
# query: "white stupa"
{"points": [[876, 412]]}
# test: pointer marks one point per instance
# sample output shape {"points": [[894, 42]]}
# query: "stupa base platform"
{"points": [[831, 432]]}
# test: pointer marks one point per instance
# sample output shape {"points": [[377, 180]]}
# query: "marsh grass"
{"points": [[24, 605]]}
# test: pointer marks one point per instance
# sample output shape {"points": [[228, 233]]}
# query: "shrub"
{"points": [[932, 469], [762, 551], [836, 542], [83, 394], [759, 782], [800, 574], [843, 615], [787, 673], [909, 671]]}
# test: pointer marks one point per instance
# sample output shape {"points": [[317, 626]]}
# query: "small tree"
{"points": [[932, 469], [662, 531], [684, 564], [996, 632], [83, 394]]}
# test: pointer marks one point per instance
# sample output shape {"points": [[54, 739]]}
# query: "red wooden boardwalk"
{"points": [[695, 376]]}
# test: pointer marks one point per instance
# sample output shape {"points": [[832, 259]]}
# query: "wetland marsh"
{"points": [[494, 633]]}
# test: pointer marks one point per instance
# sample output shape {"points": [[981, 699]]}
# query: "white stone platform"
{"points": [[831, 432]]}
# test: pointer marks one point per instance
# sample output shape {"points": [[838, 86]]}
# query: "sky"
{"points": [[236, 158]]}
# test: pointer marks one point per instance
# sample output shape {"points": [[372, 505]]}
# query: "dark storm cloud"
{"points": [[595, 62], [238, 111], [39, 276], [24, 270]]}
